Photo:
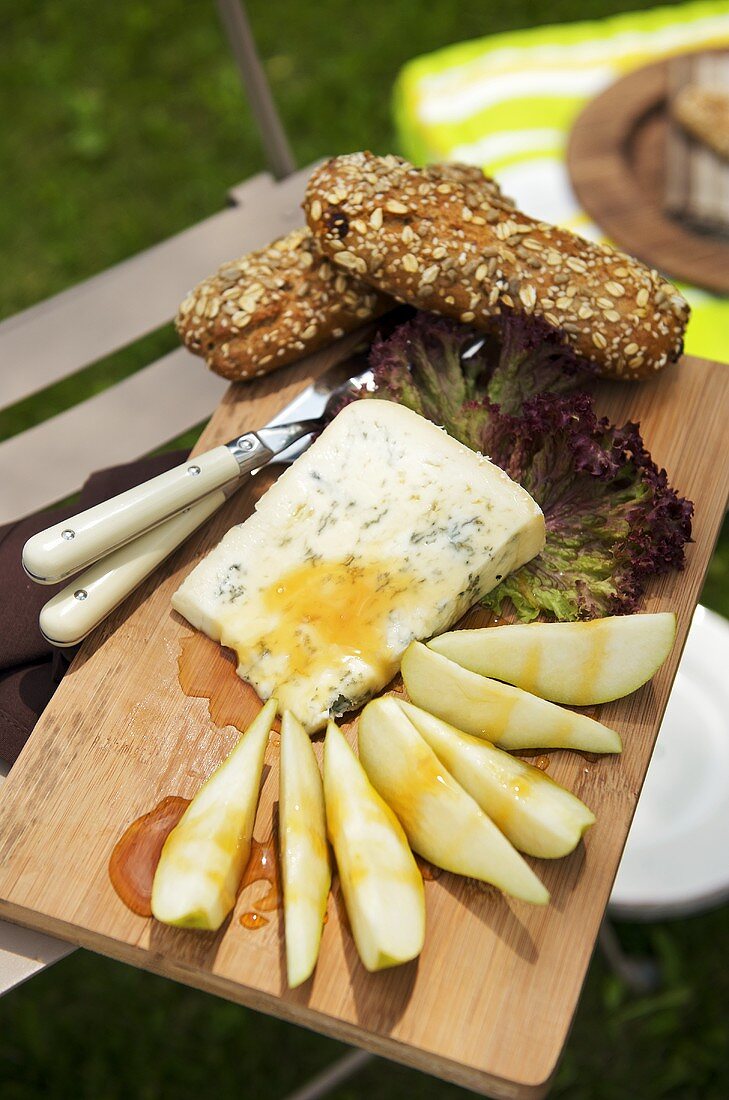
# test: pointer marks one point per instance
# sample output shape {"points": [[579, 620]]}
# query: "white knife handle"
{"points": [[73, 613], [63, 549]]}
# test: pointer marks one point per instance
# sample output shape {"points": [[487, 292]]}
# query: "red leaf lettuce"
{"points": [[612, 518]]}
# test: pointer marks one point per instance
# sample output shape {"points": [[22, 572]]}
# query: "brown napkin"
{"points": [[30, 668]]}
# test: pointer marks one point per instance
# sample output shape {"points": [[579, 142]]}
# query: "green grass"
{"points": [[126, 122], [96, 1029], [122, 124]]}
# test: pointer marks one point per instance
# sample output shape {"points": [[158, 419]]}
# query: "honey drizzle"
{"points": [[325, 617]]}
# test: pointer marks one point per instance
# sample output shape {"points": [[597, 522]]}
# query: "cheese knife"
{"points": [[123, 540]]}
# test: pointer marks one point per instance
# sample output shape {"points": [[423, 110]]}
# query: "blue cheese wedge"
{"points": [[384, 531]]}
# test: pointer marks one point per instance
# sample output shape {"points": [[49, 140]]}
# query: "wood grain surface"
{"points": [[616, 157], [490, 1001]]}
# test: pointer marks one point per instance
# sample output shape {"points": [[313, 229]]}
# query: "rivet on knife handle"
{"points": [[63, 549]]}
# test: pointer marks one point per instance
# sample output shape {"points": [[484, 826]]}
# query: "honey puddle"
{"points": [[207, 671], [262, 867], [253, 921], [136, 854]]}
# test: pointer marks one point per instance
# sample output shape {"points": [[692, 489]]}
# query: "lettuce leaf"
{"points": [[612, 518]]}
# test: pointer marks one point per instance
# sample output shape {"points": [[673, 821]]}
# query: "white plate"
{"points": [[676, 860]]}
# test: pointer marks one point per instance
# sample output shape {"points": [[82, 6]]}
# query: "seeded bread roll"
{"points": [[704, 113], [275, 305], [440, 246]]}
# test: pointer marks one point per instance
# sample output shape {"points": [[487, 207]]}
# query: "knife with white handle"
{"points": [[74, 612], [64, 549]]}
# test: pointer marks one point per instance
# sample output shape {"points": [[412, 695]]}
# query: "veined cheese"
{"points": [[384, 531]]}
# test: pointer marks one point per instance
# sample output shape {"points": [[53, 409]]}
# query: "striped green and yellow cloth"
{"points": [[508, 102]]}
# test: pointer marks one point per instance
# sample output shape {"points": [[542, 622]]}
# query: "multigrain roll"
{"points": [[274, 306], [440, 246], [282, 302]]}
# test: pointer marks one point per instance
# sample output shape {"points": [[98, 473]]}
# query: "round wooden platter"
{"points": [[616, 161]]}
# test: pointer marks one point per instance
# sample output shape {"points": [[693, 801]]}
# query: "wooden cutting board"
{"points": [[490, 1001]]}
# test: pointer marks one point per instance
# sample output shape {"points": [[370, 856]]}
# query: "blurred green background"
{"points": [[122, 124]]}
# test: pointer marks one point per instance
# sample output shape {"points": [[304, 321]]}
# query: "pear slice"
{"points": [[204, 856], [442, 822], [537, 815], [304, 853], [382, 886], [575, 663], [506, 715]]}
